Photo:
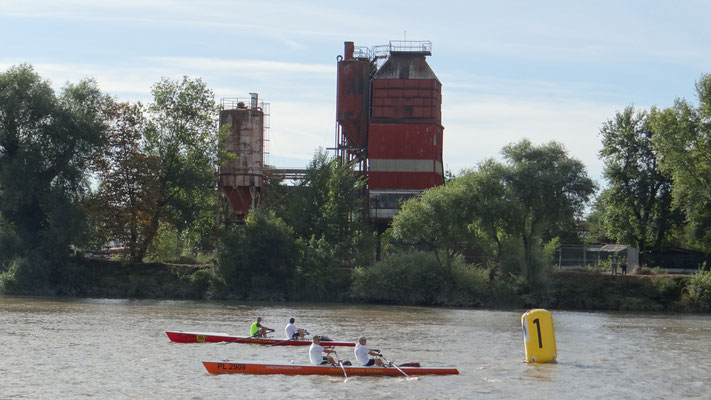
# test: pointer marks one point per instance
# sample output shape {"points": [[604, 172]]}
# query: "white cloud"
{"points": [[299, 128], [128, 81], [242, 65], [480, 128]]}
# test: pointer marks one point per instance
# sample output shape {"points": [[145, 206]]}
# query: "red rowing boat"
{"points": [[202, 337], [227, 367]]}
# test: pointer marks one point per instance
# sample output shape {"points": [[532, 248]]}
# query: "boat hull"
{"points": [[204, 337], [227, 367]]}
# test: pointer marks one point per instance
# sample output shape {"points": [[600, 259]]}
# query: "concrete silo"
{"points": [[242, 177]]}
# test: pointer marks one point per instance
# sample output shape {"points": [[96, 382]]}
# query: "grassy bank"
{"points": [[114, 279], [473, 287], [580, 290]]}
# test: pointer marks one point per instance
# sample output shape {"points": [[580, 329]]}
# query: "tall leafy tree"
{"points": [[259, 257], [302, 206], [684, 142], [128, 191], [546, 189], [537, 191], [636, 207], [490, 206], [326, 206], [438, 221], [183, 139], [341, 216], [47, 145]]}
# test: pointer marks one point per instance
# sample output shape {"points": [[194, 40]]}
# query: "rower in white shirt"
{"points": [[316, 353], [292, 332], [362, 353]]}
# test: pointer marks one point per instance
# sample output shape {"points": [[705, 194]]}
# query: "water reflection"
{"points": [[540, 372]]}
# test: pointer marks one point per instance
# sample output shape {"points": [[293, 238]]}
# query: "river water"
{"points": [[117, 349]]}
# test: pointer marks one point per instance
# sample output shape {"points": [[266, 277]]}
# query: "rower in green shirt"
{"points": [[259, 330]]}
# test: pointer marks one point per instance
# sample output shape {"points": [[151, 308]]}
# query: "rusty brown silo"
{"points": [[242, 177], [353, 97]]}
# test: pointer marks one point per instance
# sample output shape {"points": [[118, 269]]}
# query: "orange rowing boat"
{"points": [[203, 337], [227, 367]]}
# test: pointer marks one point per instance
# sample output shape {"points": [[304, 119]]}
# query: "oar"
{"points": [[342, 367], [240, 340], [283, 341], [393, 364], [291, 338]]}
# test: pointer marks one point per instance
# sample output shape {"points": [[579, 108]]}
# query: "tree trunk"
{"points": [[527, 257]]}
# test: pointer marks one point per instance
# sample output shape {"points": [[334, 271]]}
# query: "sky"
{"points": [[545, 70]]}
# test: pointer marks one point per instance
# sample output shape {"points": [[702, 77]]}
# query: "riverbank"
{"points": [[588, 290], [572, 290]]}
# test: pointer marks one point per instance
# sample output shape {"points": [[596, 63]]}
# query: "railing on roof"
{"points": [[363, 52], [411, 46], [240, 102], [406, 46]]}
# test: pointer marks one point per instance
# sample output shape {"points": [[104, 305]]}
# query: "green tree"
{"points": [[535, 194], [636, 207], [327, 205], [547, 189], [437, 221], [259, 258], [128, 188], [489, 207], [47, 145], [317, 279], [182, 137], [684, 142], [302, 206]]}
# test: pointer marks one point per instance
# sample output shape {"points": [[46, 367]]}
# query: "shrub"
{"points": [[471, 287], [403, 278], [604, 265], [667, 288], [166, 245], [511, 258], [416, 279], [260, 255], [316, 279], [26, 275], [203, 280], [697, 292], [647, 271]]}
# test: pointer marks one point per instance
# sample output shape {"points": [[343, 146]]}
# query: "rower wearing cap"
{"points": [[362, 352], [259, 330], [316, 353]]}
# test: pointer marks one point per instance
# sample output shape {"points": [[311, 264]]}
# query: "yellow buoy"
{"points": [[538, 336]]}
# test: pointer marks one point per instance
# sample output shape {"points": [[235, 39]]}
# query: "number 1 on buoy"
{"points": [[546, 349]]}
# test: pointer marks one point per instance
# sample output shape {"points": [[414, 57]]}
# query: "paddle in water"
{"points": [[342, 367], [412, 378]]}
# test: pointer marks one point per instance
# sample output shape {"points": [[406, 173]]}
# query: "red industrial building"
{"points": [[389, 111]]}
